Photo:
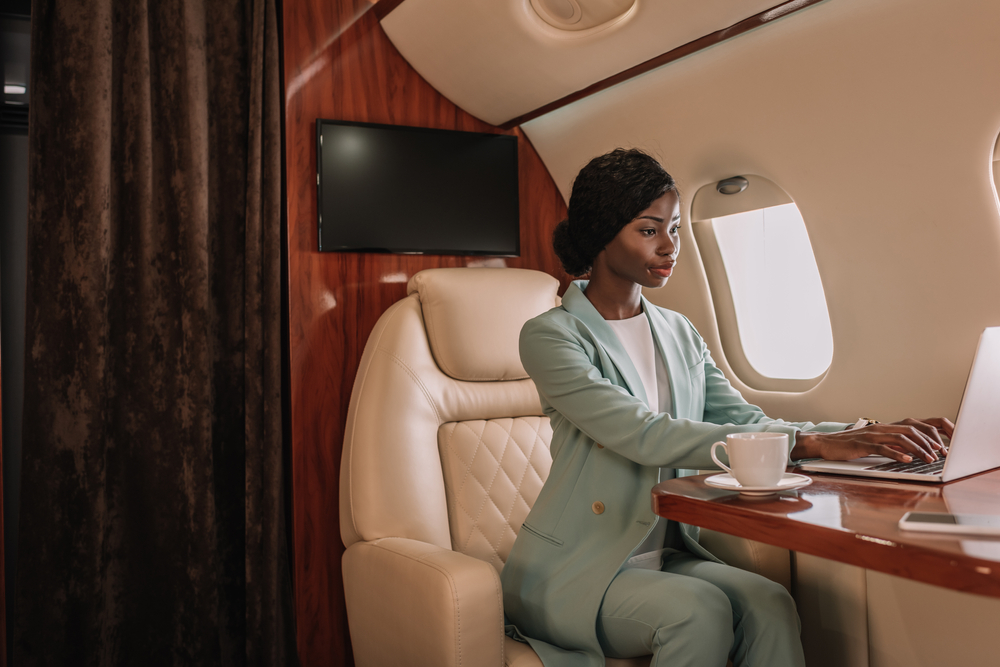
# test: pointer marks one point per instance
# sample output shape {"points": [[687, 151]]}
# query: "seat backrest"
{"points": [[445, 441]]}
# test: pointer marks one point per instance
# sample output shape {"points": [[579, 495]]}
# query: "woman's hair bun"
{"points": [[567, 251], [607, 194]]}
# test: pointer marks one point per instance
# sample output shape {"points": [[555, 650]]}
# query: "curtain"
{"points": [[152, 528]]}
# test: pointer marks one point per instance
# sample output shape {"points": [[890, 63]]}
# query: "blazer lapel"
{"points": [[577, 303], [677, 369]]}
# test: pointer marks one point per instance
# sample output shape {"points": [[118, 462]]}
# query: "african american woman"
{"points": [[633, 395]]}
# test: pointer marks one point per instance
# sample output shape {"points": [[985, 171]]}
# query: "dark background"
{"points": [[14, 23]]}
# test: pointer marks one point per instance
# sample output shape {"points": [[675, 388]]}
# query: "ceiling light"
{"points": [[558, 13], [578, 15], [14, 89]]}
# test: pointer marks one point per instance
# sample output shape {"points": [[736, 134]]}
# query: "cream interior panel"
{"points": [[918, 625], [881, 126], [497, 59], [832, 600]]}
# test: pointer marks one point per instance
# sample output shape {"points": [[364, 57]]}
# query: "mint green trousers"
{"points": [[696, 613]]}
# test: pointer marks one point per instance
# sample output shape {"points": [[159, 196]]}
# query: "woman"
{"points": [[633, 395]]}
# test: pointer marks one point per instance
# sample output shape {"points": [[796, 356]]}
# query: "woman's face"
{"points": [[645, 250]]}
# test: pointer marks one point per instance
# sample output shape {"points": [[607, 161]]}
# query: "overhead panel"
{"points": [[500, 59]]}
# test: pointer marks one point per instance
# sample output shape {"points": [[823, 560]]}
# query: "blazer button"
{"points": [[598, 507], [600, 446]]}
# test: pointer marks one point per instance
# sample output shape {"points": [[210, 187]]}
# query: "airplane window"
{"points": [[777, 295], [996, 166]]}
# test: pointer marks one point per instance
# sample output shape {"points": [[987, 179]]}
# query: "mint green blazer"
{"points": [[607, 448]]}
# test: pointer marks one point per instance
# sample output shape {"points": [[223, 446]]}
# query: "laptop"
{"points": [[975, 444]]}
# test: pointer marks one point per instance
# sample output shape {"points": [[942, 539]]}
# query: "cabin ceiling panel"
{"points": [[879, 120], [499, 59]]}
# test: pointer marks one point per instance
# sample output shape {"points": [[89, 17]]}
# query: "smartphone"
{"points": [[941, 522]]}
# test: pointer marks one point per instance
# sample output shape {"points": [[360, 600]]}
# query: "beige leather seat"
{"points": [[445, 451]]}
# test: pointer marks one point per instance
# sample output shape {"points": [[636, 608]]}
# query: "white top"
{"points": [[637, 339]]}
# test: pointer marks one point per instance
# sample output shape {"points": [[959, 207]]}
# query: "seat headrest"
{"points": [[474, 317]]}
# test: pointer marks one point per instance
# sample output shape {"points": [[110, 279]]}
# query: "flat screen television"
{"points": [[389, 188]]}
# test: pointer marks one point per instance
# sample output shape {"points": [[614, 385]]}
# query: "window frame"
{"points": [[706, 205]]}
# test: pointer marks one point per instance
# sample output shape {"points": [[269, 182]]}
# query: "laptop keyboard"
{"points": [[917, 466]]}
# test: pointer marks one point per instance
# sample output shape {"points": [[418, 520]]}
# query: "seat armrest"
{"points": [[414, 603], [764, 559]]}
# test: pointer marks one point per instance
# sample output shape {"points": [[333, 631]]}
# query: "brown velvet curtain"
{"points": [[152, 527]]}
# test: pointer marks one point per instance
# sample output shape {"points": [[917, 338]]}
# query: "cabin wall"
{"points": [[879, 119], [338, 64]]}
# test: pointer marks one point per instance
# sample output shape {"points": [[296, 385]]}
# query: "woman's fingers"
{"points": [[905, 439], [914, 446], [942, 424], [892, 453], [901, 441], [928, 430]]}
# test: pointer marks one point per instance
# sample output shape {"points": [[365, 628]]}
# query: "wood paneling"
{"points": [[855, 521], [385, 7], [340, 65]]}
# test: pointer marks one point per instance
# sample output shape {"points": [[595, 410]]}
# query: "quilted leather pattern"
{"points": [[493, 472]]}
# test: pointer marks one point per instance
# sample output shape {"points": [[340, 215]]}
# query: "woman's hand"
{"points": [[900, 441]]}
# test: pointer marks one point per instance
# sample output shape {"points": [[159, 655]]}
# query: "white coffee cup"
{"points": [[755, 459]]}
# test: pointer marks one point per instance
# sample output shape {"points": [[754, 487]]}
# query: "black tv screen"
{"points": [[388, 188]]}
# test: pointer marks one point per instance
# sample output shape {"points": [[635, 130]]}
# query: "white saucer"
{"points": [[788, 481]]}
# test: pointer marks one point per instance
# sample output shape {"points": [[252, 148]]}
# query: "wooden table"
{"points": [[854, 521]]}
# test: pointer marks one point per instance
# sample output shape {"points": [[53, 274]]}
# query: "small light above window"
{"points": [[14, 89], [732, 186]]}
